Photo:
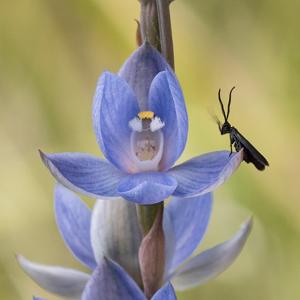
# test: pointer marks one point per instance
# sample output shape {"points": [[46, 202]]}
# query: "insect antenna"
{"points": [[229, 103], [222, 106]]}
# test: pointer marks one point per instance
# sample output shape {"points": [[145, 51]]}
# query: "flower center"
{"points": [[147, 140]]}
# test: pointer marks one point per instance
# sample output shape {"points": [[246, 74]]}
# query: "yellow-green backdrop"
{"points": [[51, 54]]}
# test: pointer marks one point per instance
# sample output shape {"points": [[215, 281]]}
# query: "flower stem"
{"points": [[165, 30], [149, 23], [147, 215], [156, 27]]}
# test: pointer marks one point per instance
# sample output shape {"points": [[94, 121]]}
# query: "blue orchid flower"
{"points": [[107, 240], [141, 126]]}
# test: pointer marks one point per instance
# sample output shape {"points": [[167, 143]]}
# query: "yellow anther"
{"points": [[146, 115]]}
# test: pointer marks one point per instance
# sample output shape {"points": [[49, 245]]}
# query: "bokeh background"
{"points": [[51, 54]]}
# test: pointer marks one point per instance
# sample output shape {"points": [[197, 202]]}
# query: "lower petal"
{"points": [[205, 173], [165, 293], [189, 219], [73, 218], [57, 280], [170, 243], [83, 173], [110, 281], [147, 188], [212, 262]]}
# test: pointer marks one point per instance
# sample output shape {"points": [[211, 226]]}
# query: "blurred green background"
{"points": [[51, 54]]}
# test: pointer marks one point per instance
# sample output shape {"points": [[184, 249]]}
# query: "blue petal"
{"points": [[140, 69], [110, 281], [189, 219], [84, 173], [205, 173], [37, 298], [167, 102], [170, 242], [165, 293], [210, 263], [64, 282], [114, 106], [147, 188], [73, 218]]}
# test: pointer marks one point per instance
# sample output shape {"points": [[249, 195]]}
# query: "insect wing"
{"points": [[251, 153], [217, 121]]}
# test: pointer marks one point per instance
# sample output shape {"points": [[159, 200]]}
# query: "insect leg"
{"points": [[219, 125], [230, 148], [231, 143]]}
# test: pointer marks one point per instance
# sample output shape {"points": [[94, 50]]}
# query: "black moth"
{"points": [[251, 154]]}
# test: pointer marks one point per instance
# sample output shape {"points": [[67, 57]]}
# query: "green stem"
{"points": [[147, 215]]}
